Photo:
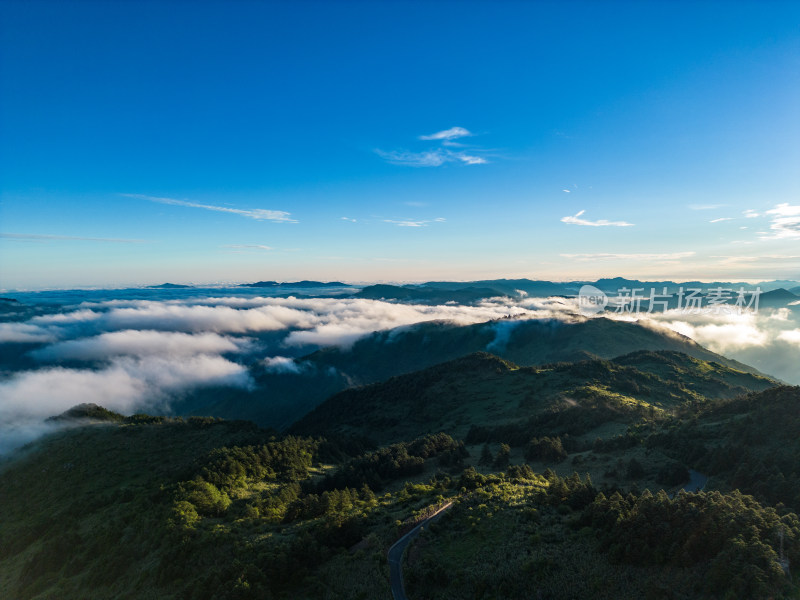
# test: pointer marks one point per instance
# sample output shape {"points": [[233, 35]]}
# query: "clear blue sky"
{"points": [[143, 142]]}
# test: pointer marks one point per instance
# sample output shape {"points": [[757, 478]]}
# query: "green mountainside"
{"points": [[524, 342], [279, 398], [149, 507], [751, 443], [484, 392]]}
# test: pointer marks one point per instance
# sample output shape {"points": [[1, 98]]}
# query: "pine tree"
{"points": [[503, 455], [368, 496], [486, 456]]}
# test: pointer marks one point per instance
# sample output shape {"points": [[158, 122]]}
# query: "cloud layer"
{"points": [[131, 342], [134, 355], [768, 339], [125, 385]]}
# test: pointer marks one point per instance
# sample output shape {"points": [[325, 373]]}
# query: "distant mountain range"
{"points": [[169, 286], [429, 295], [471, 292], [264, 284], [778, 297], [539, 288], [773, 294], [297, 284]]}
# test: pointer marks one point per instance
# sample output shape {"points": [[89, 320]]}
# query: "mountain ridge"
{"points": [[485, 389]]}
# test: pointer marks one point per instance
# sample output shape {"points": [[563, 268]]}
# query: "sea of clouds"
{"points": [[134, 355], [138, 355]]}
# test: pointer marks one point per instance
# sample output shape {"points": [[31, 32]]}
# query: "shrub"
{"points": [[207, 499]]}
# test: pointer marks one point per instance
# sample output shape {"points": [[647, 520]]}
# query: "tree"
{"points": [[503, 456], [546, 448], [486, 456], [206, 498]]}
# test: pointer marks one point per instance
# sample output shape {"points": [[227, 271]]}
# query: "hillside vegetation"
{"points": [[148, 507], [474, 396], [282, 396], [525, 342], [151, 507], [155, 507]]}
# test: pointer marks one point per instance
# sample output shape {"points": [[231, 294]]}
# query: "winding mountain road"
{"points": [[396, 555], [697, 481]]}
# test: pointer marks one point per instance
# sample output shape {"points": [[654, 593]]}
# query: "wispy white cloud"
{"points": [[408, 223], [439, 155], [258, 214], [640, 256], [46, 238], [706, 206], [576, 220], [248, 246], [430, 158], [765, 260], [719, 220], [469, 159], [412, 223], [785, 222], [750, 214], [400, 222], [448, 134], [567, 191]]}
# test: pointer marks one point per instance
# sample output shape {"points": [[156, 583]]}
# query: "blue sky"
{"points": [[143, 142]]}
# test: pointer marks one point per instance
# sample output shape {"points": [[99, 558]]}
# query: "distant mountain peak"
{"points": [[169, 286], [87, 411]]}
